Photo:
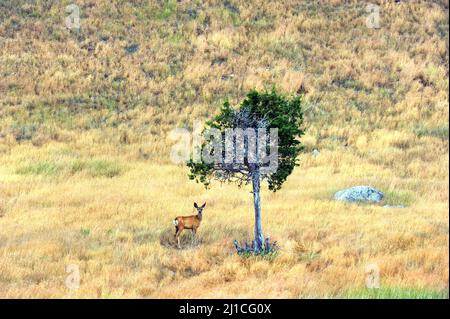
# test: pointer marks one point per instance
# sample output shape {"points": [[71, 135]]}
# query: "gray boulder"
{"points": [[359, 194]]}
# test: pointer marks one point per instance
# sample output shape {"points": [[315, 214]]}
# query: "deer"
{"points": [[188, 222]]}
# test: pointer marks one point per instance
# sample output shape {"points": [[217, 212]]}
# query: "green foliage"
{"points": [[279, 112]]}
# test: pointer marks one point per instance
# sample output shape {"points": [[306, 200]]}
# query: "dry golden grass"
{"points": [[85, 176], [118, 230]]}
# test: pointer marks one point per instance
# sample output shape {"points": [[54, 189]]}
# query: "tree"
{"points": [[236, 143]]}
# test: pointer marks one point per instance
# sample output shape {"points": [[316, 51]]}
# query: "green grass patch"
{"points": [[397, 293], [40, 168], [85, 232], [269, 256], [168, 9], [404, 198], [92, 168], [97, 168], [438, 131]]}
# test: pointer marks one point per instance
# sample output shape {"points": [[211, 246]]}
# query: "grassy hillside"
{"points": [[85, 171]]}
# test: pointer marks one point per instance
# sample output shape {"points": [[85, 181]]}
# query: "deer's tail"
{"points": [[175, 222]]}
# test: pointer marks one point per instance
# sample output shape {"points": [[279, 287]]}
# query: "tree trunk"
{"points": [[259, 238]]}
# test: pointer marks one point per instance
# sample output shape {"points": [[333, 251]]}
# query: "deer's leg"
{"points": [[193, 235], [177, 236]]}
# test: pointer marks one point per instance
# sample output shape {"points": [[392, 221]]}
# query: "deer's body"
{"points": [[188, 222]]}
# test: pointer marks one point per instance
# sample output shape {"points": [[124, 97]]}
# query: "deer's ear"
{"points": [[195, 205], [203, 206]]}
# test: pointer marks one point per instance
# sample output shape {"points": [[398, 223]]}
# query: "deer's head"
{"points": [[199, 209]]}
